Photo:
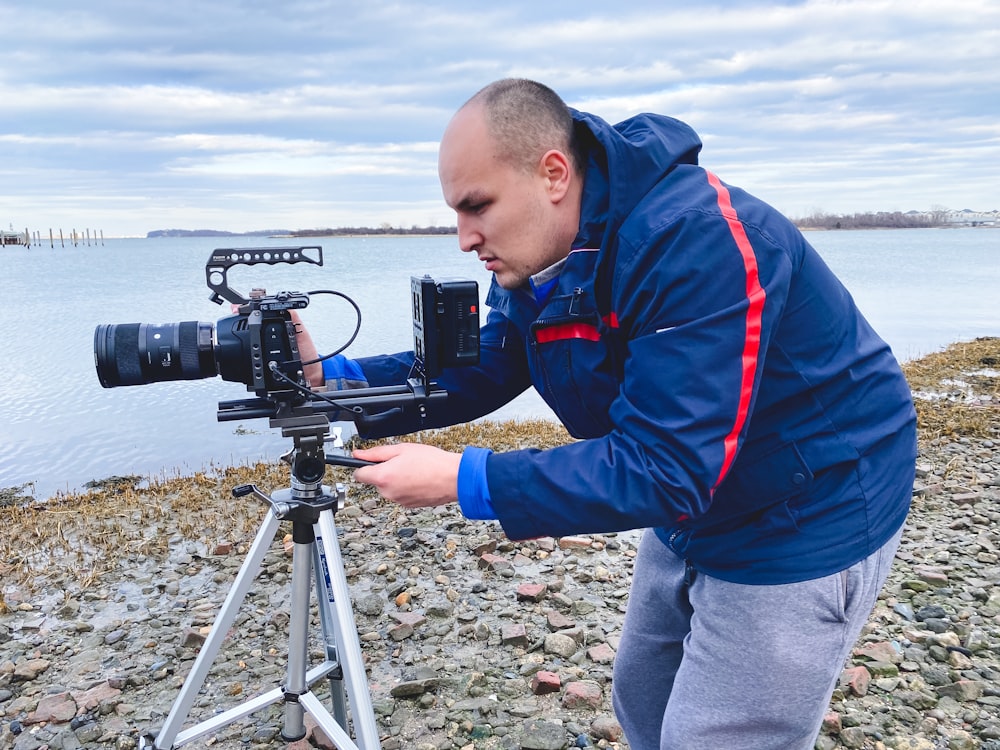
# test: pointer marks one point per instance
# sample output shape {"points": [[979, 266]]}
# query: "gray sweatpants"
{"points": [[713, 664]]}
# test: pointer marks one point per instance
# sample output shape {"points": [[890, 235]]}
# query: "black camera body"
{"points": [[257, 346], [260, 342]]}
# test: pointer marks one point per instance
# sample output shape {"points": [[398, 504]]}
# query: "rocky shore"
{"points": [[470, 641]]}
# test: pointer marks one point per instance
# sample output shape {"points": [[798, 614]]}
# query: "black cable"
{"points": [[357, 327], [273, 366]]}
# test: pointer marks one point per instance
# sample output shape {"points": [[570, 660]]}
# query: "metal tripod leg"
{"points": [[223, 621], [338, 604], [338, 698], [295, 693]]}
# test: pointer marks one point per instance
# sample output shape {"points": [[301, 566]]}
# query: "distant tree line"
{"points": [[877, 220], [381, 229], [385, 229], [213, 233]]}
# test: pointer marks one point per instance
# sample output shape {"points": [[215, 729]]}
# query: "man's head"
{"points": [[508, 168]]}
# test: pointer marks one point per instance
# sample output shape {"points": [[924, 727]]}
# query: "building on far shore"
{"points": [[969, 218]]}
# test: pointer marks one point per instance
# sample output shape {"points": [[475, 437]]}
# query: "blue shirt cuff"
{"points": [[473, 490], [339, 366]]}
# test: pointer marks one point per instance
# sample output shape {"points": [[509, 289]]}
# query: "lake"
{"points": [[921, 289]]}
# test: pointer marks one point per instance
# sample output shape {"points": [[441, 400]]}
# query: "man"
{"points": [[727, 394]]}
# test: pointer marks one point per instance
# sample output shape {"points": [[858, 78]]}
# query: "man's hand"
{"points": [[307, 351], [413, 475]]}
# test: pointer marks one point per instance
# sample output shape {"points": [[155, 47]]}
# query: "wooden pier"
{"points": [[27, 238]]}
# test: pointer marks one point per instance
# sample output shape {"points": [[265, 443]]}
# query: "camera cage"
{"points": [[445, 331]]}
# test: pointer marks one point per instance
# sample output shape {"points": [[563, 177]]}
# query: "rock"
{"points": [[963, 690], [53, 708], [852, 737], [531, 592], [582, 694], [881, 651], [601, 654], [543, 735], [606, 728], [30, 669], [558, 621], [856, 679], [560, 644], [545, 682], [514, 634]]}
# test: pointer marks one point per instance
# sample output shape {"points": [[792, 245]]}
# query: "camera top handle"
{"points": [[223, 259]]}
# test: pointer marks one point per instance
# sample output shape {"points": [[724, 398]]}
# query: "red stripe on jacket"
{"points": [[755, 311], [574, 331], [567, 331]]}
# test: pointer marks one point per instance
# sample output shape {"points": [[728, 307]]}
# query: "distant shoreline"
{"points": [[854, 229], [307, 233]]}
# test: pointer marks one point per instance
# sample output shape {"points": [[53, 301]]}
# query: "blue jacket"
{"points": [[724, 388]]}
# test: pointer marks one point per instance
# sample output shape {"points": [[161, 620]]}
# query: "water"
{"points": [[922, 289]]}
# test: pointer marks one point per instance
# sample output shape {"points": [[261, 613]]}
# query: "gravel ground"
{"points": [[470, 641]]}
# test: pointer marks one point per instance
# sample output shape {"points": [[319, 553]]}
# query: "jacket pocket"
{"points": [[775, 476], [756, 484], [574, 368]]}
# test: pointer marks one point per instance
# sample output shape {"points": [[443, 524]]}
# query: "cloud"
{"points": [[310, 113]]}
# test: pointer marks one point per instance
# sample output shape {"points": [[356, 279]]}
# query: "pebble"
{"points": [[474, 642]]}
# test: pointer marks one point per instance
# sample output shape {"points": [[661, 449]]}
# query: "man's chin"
{"points": [[508, 279]]}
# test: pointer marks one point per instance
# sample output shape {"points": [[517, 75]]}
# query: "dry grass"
{"points": [[85, 535], [957, 391]]}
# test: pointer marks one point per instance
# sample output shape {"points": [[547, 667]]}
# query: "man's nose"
{"points": [[468, 238]]}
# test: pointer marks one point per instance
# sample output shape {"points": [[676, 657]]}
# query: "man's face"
{"points": [[506, 215]]}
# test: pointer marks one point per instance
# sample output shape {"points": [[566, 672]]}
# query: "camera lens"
{"points": [[140, 353]]}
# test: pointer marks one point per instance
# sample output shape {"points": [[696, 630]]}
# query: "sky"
{"points": [[126, 117]]}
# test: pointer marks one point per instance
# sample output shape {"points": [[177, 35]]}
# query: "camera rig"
{"points": [[258, 346], [445, 334]]}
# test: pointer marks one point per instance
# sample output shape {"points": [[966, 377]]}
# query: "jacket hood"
{"points": [[623, 162]]}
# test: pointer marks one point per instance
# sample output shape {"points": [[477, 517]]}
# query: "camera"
{"points": [[251, 347], [239, 348], [257, 346]]}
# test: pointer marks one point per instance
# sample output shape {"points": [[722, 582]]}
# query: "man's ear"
{"points": [[554, 167]]}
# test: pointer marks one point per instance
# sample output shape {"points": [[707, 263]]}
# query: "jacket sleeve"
{"points": [[473, 391], [698, 299]]}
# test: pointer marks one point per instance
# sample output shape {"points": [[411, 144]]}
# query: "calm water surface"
{"points": [[922, 289]]}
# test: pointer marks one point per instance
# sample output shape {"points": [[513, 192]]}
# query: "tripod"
{"points": [[310, 506]]}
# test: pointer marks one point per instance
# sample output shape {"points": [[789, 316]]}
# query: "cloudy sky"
{"points": [[131, 116]]}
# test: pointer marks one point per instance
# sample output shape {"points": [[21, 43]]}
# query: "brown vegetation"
{"points": [[957, 391]]}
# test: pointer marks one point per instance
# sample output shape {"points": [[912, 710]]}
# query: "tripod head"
{"points": [[307, 496]]}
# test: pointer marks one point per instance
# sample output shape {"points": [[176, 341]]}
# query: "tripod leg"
{"points": [[298, 631], [352, 661], [338, 698], [223, 621]]}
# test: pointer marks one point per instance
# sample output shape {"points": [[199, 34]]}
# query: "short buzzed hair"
{"points": [[526, 119]]}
